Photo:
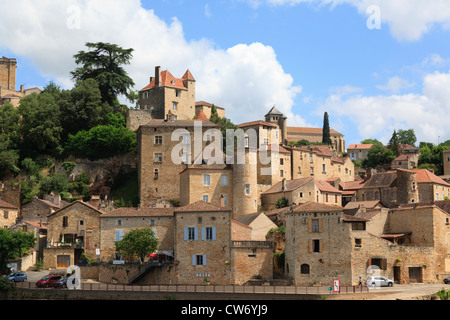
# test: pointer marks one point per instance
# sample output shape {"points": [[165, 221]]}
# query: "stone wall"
{"points": [[251, 263]]}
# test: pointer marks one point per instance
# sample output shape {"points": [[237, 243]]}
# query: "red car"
{"points": [[48, 281]]}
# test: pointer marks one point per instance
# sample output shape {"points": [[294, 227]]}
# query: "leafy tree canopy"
{"points": [[138, 242], [104, 63], [14, 245], [378, 155]]}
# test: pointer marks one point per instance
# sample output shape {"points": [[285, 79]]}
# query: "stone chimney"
{"points": [[95, 201], [157, 76]]}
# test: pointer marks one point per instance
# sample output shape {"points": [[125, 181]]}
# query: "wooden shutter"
{"points": [[194, 260], [185, 234], [214, 233], [310, 246], [196, 233], [320, 246], [310, 226], [320, 225], [203, 233], [384, 264], [204, 259]]}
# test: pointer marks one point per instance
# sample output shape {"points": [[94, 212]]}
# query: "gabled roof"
{"points": [[140, 212], [382, 179], [4, 204], [324, 186], [257, 123], [247, 219], [177, 123], [290, 185], [425, 176], [168, 80], [360, 146], [74, 203], [201, 116], [316, 207], [201, 206]]}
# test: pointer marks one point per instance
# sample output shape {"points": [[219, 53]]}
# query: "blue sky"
{"points": [[305, 56]]}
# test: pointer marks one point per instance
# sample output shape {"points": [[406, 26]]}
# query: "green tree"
{"points": [[224, 125], [394, 144], [104, 63], [101, 142], [14, 245], [40, 125], [56, 184], [282, 203], [371, 141], [378, 155], [138, 242], [407, 137], [326, 136], [82, 107]]}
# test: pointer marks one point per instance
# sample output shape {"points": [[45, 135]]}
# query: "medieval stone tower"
{"points": [[245, 180], [407, 188], [277, 117], [8, 69]]}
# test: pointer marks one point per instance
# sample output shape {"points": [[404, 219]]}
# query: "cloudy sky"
{"points": [[373, 65]]}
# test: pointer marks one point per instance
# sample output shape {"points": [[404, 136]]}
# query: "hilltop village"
{"points": [[283, 213]]}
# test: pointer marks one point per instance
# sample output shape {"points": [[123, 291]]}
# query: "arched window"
{"points": [[304, 269]]}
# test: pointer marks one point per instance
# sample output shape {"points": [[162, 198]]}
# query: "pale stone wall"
{"points": [[192, 184], [240, 232], [8, 69], [163, 227], [217, 251], [8, 217], [248, 263]]}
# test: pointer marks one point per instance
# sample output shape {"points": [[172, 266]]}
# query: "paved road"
{"points": [[397, 292]]}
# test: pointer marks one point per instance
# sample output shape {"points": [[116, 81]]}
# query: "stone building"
{"points": [[206, 108], [39, 230], [158, 161], [301, 191], [402, 187], [72, 231], [8, 215], [39, 209], [116, 223], [358, 152], [323, 243], [314, 135], [8, 93]]}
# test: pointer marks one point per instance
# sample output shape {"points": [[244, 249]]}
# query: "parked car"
{"points": [[447, 280], [61, 283], [48, 281], [379, 282], [18, 277]]}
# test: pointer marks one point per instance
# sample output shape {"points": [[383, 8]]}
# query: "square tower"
{"points": [[8, 69]]}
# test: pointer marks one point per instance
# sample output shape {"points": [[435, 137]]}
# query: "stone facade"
{"points": [[71, 231], [358, 152], [159, 175], [115, 224], [314, 135], [8, 215], [408, 244]]}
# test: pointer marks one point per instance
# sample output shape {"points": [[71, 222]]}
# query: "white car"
{"points": [[379, 282]]}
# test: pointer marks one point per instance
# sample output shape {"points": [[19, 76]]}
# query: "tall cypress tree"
{"points": [[394, 144], [326, 136]]}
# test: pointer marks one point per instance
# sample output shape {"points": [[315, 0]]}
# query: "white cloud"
{"points": [[396, 84], [408, 20], [247, 79], [378, 116]]}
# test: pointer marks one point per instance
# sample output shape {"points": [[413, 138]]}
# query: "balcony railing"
{"points": [[252, 244], [65, 245]]}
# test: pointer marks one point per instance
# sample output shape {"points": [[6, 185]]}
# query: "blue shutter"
{"points": [[203, 233], [214, 233], [185, 234], [196, 233], [204, 259], [194, 259], [119, 235]]}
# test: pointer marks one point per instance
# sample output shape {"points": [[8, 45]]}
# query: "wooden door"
{"points": [[62, 261]]}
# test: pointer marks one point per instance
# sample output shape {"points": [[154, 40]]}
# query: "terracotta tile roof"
{"points": [[4, 204], [290, 185], [360, 146], [247, 219], [140, 212], [316, 207], [257, 123], [425, 176], [177, 123], [201, 206], [303, 130], [207, 104], [281, 149], [168, 80], [188, 76], [326, 187], [363, 204], [382, 179], [74, 203], [352, 185], [36, 224], [201, 116], [350, 218]]}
